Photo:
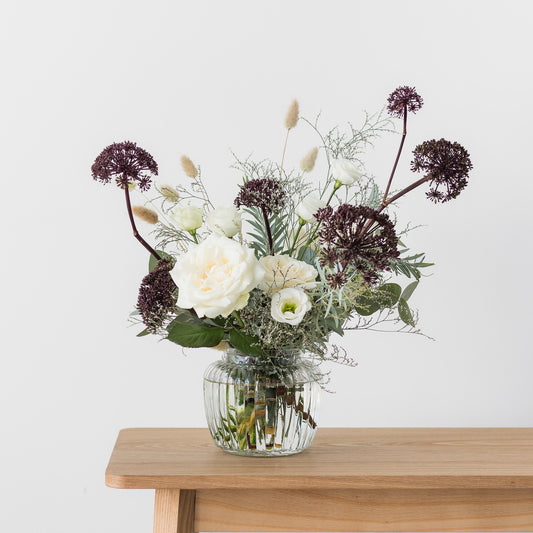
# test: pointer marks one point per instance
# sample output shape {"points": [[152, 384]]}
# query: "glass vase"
{"points": [[257, 412]]}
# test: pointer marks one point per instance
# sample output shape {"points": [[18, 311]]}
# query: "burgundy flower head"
{"points": [[359, 237], [156, 298], [404, 98], [266, 194], [446, 164], [127, 163]]}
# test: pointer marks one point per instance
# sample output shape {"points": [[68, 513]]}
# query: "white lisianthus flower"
{"points": [[224, 220], [308, 207], [282, 271], [215, 277], [290, 305], [346, 172], [187, 217]]}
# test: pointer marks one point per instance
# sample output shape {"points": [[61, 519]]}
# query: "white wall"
{"points": [[200, 78]]}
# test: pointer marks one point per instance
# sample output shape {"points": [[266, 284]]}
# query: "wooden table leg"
{"points": [[174, 511]]}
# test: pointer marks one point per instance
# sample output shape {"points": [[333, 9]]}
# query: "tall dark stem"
{"points": [[384, 201], [413, 185], [135, 232], [269, 233]]}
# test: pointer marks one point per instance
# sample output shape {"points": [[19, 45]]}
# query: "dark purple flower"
{"points": [[358, 237], [446, 164], [266, 194], [156, 295], [127, 163], [404, 98]]}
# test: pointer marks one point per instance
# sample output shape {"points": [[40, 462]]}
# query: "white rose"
{"points": [[187, 217], [216, 276], [290, 305], [345, 171], [225, 220], [282, 271], [308, 207]]}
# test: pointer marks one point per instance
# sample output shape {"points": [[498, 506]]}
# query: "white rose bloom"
{"points": [[225, 220], [282, 271], [215, 277], [290, 305], [345, 171], [187, 217], [308, 207]]}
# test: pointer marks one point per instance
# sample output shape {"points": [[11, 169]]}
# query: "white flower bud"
{"points": [[345, 171], [308, 207], [187, 218], [224, 220]]}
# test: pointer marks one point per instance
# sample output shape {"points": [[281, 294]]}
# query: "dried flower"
{"points": [[222, 346], [156, 299], [291, 119], [127, 163], [169, 193], [145, 213], [188, 167], [308, 162], [359, 237], [446, 164], [266, 194], [404, 98]]}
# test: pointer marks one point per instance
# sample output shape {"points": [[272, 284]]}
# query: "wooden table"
{"points": [[349, 480]]}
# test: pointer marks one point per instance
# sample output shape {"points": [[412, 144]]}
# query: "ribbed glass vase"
{"points": [[252, 412]]}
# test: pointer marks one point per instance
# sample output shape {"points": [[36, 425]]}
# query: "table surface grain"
{"points": [[355, 458]]}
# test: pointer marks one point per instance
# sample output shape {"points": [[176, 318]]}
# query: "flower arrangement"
{"points": [[291, 261]]}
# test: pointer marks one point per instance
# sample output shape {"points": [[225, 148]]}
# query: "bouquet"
{"points": [[291, 261]]}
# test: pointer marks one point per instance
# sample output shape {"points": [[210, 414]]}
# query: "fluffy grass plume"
{"points": [[308, 162], [188, 167], [291, 119], [169, 193], [146, 214]]}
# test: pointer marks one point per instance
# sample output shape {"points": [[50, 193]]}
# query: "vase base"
{"points": [[261, 453]]}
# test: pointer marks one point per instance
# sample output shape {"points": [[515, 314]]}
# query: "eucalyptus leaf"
{"points": [[405, 313], [143, 333], [408, 291], [388, 294]]}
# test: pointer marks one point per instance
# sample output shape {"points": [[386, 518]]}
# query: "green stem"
{"points": [[302, 222], [193, 233]]}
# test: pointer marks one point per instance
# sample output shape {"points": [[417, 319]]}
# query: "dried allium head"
{"points": [[357, 237], [144, 213], [266, 194], [291, 119], [156, 295], [446, 164], [169, 193], [125, 162], [308, 162], [404, 98], [188, 167]]}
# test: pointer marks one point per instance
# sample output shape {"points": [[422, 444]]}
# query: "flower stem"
{"points": [[384, 201], [135, 232], [238, 317], [283, 155], [269, 232], [296, 236], [404, 191]]}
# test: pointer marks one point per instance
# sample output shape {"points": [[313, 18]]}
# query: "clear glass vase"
{"points": [[251, 411]]}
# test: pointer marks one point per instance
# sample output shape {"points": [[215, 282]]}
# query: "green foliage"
{"points": [[191, 332], [405, 313], [409, 266], [152, 263], [247, 344]]}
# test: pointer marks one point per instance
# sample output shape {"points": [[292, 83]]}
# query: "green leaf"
{"points": [[408, 291], [388, 294], [366, 304], [309, 257], [246, 344], [152, 263], [143, 333], [193, 335], [405, 313]]}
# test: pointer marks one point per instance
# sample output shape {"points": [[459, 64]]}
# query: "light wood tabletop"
{"points": [[394, 479]]}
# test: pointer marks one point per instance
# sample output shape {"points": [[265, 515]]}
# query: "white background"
{"points": [[202, 78]]}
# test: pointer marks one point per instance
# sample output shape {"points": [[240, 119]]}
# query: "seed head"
{"points": [[404, 98], [308, 162], [188, 167], [144, 213], [291, 119], [169, 193]]}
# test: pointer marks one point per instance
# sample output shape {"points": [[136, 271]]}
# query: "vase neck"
{"points": [[283, 357]]}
